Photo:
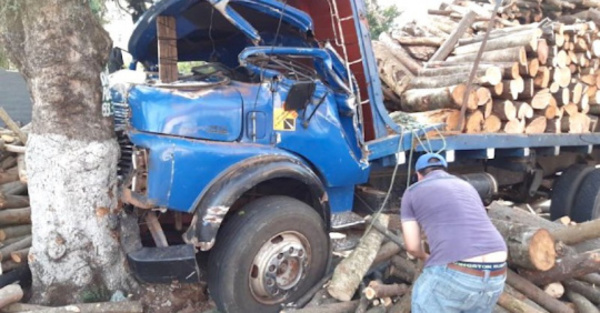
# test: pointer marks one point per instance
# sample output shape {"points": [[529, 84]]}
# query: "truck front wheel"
{"points": [[586, 205], [270, 252]]}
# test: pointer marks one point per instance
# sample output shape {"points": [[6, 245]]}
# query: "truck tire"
{"points": [[587, 202], [565, 188], [270, 252]]}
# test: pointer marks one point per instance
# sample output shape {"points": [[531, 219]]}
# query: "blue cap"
{"points": [[425, 161]]}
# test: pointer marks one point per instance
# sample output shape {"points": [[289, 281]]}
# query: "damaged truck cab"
{"points": [[251, 153]]}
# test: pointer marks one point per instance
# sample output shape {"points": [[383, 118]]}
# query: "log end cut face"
{"points": [[542, 251]]}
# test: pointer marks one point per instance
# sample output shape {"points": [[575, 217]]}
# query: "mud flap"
{"points": [[166, 264]]}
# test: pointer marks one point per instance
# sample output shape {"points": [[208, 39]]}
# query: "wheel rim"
{"points": [[279, 267]]}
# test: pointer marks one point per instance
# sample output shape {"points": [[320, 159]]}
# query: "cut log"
{"points": [[562, 96], [517, 294], [446, 48], [534, 67], [419, 100], [592, 278], [536, 125], [492, 124], [15, 216], [419, 41], [555, 290], [403, 269], [576, 123], [528, 39], [566, 267], [553, 126], [524, 110], [536, 294], [576, 92], [483, 95], [386, 252], [457, 78], [14, 188], [562, 76], [583, 305], [514, 127], [515, 54], [10, 123], [528, 247], [10, 294], [14, 231], [475, 122], [391, 71], [23, 307], [349, 273], [541, 100], [487, 109], [512, 88], [542, 79], [11, 202], [20, 255], [550, 112], [9, 176], [446, 116], [513, 304], [578, 233], [542, 51], [528, 90], [504, 109], [591, 292], [401, 54], [379, 290]]}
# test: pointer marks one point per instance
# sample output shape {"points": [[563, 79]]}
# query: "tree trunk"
{"points": [[534, 293], [419, 100], [527, 39], [71, 151], [515, 54]]}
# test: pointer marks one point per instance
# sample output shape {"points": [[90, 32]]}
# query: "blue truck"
{"points": [[278, 136]]}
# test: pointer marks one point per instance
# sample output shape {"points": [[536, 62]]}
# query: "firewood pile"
{"points": [[553, 267], [537, 77], [15, 213]]}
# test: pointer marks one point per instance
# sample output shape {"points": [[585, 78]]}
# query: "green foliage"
{"points": [[381, 20], [95, 293], [4, 62], [98, 9], [186, 67]]}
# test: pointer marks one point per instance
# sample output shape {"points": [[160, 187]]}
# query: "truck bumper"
{"points": [[165, 264]]}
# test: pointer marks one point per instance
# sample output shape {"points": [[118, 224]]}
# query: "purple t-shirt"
{"points": [[453, 217]]}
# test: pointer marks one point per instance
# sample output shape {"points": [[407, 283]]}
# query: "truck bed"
{"points": [[484, 146]]}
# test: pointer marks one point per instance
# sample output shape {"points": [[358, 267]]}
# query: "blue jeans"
{"points": [[443, 290]]}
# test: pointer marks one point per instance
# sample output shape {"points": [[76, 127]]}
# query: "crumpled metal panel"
{"points": [[210, 113]]}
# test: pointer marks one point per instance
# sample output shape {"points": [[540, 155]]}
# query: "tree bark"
{"points": [[71, 150], [537, 295], [578, 233], [380, 290], [100, 307], [392, 72], [583, 305], [446, 48], [11, 202], [15, 216], [403, 269], [349, 273], [515, 54], [515, 305], [401, 54], [418, 100], [10, 294], [528, 39], [567, 267], [528, 247], [504, 109], [589, 291]]}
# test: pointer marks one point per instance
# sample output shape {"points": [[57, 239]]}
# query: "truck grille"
{"points": [[121, 116]]}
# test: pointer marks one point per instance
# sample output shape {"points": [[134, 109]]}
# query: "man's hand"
{"points": [[412, 239]]}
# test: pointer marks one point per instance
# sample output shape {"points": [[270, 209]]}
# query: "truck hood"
{"points": [[203, 24]]}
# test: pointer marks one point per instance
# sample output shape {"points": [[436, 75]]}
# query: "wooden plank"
{"points": [[167, 48]]}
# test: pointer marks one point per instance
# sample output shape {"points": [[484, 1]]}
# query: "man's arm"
{"points": [[412, 239]]}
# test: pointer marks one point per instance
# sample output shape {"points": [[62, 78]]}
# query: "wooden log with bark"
{"points": [[578, 233], [349, 273], [380, 290], [418, 100], [10, 294], [536, 294], [567, 267], [528, 247]]}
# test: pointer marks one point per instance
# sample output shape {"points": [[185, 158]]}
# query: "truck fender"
{"points": [[214, 203]]}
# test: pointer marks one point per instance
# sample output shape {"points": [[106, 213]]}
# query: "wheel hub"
{"points": [[279, 266]]}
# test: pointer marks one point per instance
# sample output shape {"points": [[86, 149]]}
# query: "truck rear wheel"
{"points": [[565, 189], [271, 252], [586, 205]]}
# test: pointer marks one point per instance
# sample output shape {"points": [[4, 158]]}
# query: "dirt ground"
{"points": [[181, 298]]}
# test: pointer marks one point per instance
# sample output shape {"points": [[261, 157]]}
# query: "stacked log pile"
{"points": [[15, 214], [550, 268], [532, 78]]}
